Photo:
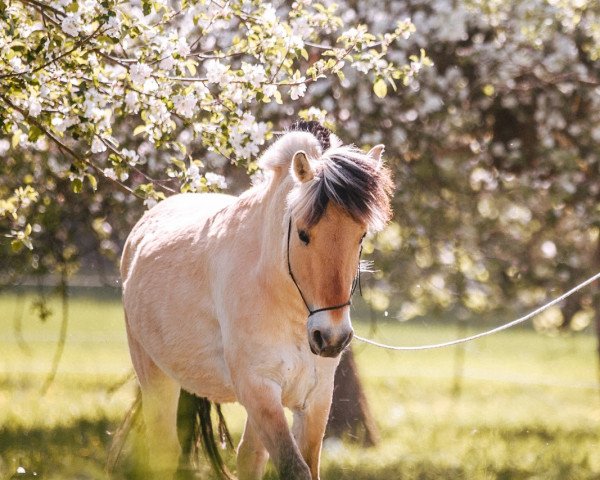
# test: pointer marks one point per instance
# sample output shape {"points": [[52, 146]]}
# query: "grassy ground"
{"points": [[527, 406]]}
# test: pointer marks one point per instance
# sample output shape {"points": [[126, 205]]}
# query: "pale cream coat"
{"points": [[211, 308]]}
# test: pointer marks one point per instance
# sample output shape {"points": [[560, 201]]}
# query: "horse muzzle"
{"points": [[327, 343]]}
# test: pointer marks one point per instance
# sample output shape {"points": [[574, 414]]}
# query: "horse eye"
{"points": [[302, 235], [363, 237]]}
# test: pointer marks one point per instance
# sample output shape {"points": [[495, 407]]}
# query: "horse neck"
{"points": [[272, 230], [273, 236]]}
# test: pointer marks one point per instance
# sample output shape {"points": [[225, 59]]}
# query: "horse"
{"points": [[246, 299]]}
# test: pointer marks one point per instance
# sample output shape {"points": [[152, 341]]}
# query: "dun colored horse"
{"points": [[246, 299]]}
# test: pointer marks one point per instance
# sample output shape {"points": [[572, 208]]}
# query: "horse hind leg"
{"points": [[160, 396], [252, 456]]}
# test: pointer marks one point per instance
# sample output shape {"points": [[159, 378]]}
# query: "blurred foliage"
{"points": [[495, 147], [496, 150]]}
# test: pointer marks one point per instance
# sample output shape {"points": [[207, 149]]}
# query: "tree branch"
{"points": [[66, 148], [58, 57]]}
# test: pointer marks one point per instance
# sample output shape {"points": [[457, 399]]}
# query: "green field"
{"points": [[529, 405]]}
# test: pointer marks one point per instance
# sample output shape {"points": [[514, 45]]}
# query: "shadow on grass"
{"points": [[75, 451], [79, 451]]}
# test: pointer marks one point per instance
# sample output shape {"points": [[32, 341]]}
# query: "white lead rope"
{"points": [[489, 332]]}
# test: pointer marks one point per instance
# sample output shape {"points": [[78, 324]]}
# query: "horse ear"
{"points": [[376, 152], [302, 168]]}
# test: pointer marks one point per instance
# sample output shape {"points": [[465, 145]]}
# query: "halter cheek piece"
{"points": [[355, 282]]}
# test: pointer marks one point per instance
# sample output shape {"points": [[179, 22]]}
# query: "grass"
{"points": [[526, 406]]}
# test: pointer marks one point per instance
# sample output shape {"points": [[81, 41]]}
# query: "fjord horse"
{"points": [[246, 299]]}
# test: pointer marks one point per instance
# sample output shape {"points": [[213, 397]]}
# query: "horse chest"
{"points": [[300, 377]]}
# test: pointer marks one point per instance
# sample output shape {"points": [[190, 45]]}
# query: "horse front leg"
{"points": [[309, 429], [262, 400]]}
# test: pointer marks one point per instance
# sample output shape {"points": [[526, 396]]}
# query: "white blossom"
{"points": [[318, 114], [167, 63], [201, 90], [215, 71], [193, 172], [182, 48], [185, 105], [35, 106], [269, 90], [110, 173], [297, 91], [216, 180], [255, 74], [71, 24], [132, 101], [139, 72], [131, 156], [98, 145], [4, 146], [16, 64], [112, 26]]}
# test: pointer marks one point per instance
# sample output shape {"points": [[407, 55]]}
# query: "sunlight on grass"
{"points": [[525, 405]]}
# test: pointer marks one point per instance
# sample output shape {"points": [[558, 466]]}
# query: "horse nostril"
{"points": [[348, 339], [318, 338]]}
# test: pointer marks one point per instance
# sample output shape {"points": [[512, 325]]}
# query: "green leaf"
{"points": [[178, 163], [191, 66], [77, 185], [16, 246], [34, 133], [27, 242], [380, 88], [139, 129], [93, 181], [16, 138]]}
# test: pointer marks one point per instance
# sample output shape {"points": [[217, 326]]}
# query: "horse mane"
{"points": [[344, 175]]}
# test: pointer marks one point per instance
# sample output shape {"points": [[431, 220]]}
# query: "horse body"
{"points": [[211, 308]]}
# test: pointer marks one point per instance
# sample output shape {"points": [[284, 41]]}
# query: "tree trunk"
{"points": [[570, 307], [596, 297], [350, 414]]}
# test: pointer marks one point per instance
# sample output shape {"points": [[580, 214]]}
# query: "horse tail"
{"points": [[195, 427], [118, 443]]}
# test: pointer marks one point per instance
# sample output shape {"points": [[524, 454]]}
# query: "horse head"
{"points": [[338, 195]]}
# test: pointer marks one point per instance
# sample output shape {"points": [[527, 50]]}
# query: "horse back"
{"points": [[179, 215]]}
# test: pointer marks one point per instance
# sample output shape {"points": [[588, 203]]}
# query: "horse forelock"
{"points": [[352, 180], [343, 174]]}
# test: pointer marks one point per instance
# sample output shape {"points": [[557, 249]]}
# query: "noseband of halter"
{"points": [[355, 282]]}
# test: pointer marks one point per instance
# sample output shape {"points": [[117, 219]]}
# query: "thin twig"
{"points": [[44, 6], [60, 347], [18, 323], [147, 177]]}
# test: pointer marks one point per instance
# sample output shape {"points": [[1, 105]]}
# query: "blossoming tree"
{"points": [[152, 97]]}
